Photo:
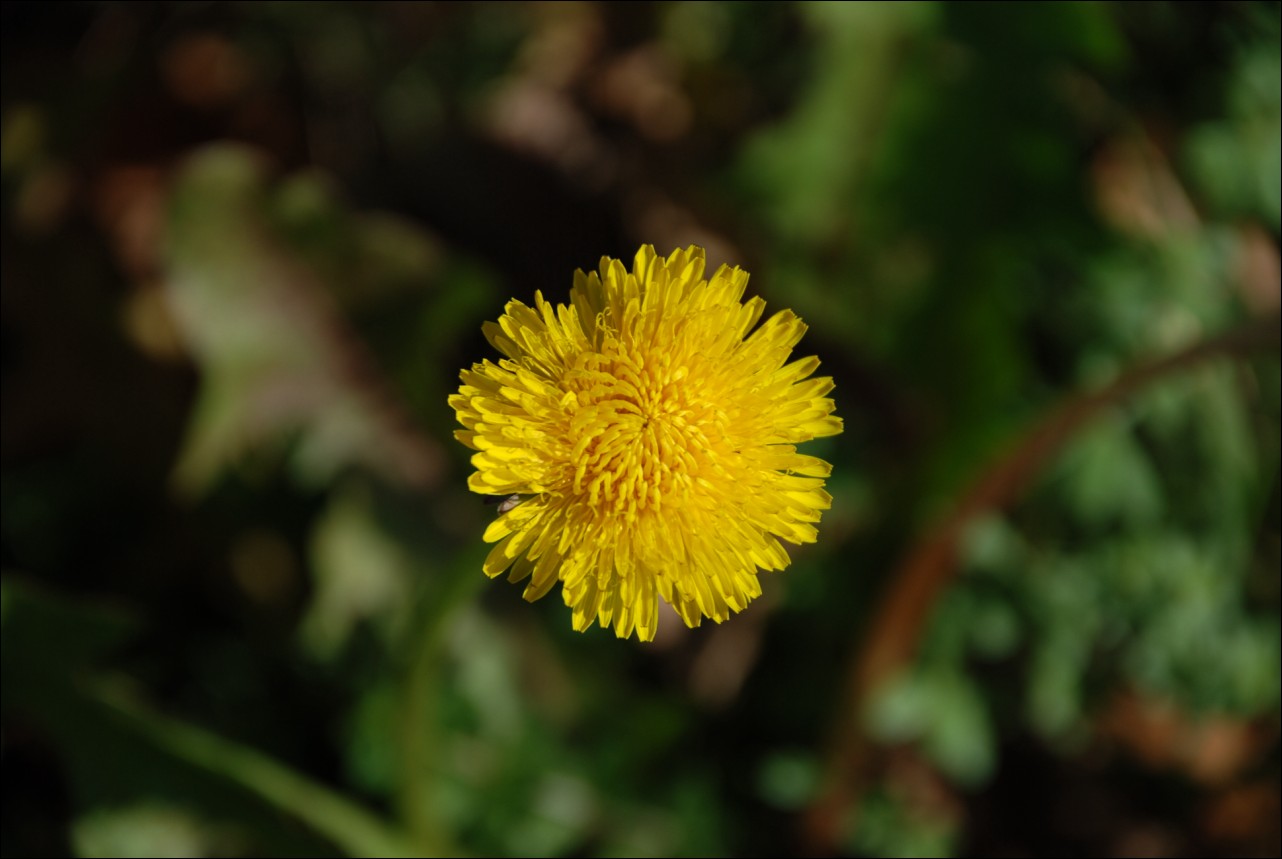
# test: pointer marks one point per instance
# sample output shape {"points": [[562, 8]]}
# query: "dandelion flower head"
{"points": [[651, 434]]}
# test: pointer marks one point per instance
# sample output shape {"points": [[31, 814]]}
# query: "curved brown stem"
{"points": [[931, 563]]}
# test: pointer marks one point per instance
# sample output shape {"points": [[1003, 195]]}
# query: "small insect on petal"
{"points": [[505, 502]]}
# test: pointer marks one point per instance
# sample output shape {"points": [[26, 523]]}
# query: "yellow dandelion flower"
{"points": [[651, 441]]}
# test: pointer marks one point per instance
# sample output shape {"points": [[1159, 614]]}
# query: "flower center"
{"points": [[642, 435]]}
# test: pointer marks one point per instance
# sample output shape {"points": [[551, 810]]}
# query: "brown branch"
{"points": [[930, 565]]}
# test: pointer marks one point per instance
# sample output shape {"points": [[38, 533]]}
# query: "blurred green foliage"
{"points": [[248, 247]]}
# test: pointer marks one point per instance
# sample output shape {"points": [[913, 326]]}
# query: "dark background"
{"points": [[247, 249]]}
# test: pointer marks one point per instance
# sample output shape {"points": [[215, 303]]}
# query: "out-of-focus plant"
{"points": [[247, 248]]}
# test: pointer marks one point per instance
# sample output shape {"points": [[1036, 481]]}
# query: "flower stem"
{"points": [[349, 826], [418, 727]]}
